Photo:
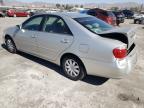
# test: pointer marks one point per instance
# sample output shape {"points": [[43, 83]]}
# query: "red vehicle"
{"points": [[104, 15], [17, 13]]}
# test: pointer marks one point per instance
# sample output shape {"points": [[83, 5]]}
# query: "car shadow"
{"points": [[94, 80]]}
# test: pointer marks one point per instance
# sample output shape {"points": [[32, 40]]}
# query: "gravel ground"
{"points": [[29, 82]]}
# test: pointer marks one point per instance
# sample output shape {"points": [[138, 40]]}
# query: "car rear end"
{"points": [[125, 56], [104, 15], [119, 16], [123, 60], [110, 18], [128, 14], [112, 51]]}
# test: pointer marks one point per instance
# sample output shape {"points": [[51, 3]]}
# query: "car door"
{"points": [[55, 37], [22, 13], [19, 13], [26, 36]]}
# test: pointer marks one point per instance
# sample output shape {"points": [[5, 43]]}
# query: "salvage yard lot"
{"points": [[29, 82]]}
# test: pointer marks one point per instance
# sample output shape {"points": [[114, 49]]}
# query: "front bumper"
{"points": [[115, 69]]}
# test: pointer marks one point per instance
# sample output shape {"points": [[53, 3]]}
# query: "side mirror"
{"points": [[18, 26]]}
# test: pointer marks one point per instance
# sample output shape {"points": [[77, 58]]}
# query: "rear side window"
{"points": [[33, 24], [55, 24]]}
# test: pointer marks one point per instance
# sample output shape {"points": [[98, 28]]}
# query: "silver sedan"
{"points": [[81, 44]]}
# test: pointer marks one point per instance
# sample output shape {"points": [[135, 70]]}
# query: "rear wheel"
{"points": [[73, 68], [134, 21], [10, 45]]}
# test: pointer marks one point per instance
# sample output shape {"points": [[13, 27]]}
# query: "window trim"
{"points": [[44, 23]]}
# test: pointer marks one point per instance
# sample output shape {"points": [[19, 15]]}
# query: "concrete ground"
{"points": [[29, 82]]}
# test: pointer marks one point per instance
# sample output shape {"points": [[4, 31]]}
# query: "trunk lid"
{"points": [[127, 32]]}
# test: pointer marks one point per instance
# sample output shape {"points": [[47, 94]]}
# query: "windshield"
{"points": [[93, 24]]}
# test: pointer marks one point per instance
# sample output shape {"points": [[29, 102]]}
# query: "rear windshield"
{"points": [[110, 14], [93, 24]]}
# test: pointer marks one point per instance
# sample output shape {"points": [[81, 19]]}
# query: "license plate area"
{"points": [[131, 48]]}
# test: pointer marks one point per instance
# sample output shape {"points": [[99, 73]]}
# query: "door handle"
{"points": [[65, 41]]}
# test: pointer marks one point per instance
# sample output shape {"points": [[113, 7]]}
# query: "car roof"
{"points": [[68, 14]]}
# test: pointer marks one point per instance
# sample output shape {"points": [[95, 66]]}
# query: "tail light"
{"points": [[120, 53], [109, 20]]}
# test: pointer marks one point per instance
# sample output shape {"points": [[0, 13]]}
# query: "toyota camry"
{"points": [[81, 44]]}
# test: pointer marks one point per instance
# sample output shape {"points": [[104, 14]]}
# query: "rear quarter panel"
{"points": [[101, 49]]}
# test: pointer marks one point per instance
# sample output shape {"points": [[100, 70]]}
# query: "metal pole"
{"points": [[142, 5]]}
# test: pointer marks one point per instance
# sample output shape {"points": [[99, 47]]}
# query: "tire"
{"points": [[73, 68], [10, 45], [134, 21]]}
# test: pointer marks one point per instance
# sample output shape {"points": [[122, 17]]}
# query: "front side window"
{"points": [[33, 24], [55, 24], [93, 24]]}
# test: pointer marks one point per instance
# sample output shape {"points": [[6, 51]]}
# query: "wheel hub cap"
{"points": [[10, 45], [72, 68]]}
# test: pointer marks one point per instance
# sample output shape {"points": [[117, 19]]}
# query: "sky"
{"points": [[84, 1]]}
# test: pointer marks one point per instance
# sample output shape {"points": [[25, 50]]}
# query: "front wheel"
{"points": [[10, 45], [73, 68]]}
